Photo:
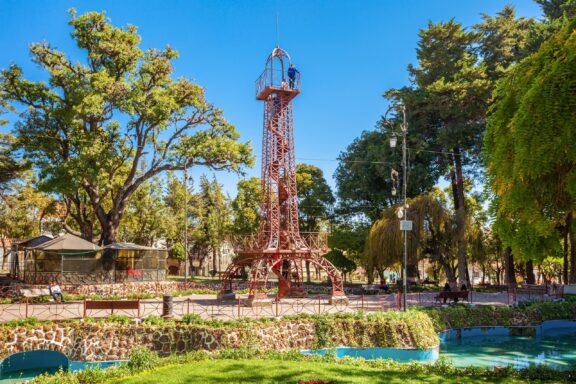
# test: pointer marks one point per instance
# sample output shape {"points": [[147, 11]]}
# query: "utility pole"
{"points": [[186, 220], [405, 205], [405, 225]]}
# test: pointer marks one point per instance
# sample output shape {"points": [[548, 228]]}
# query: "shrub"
{"points": [[141, 358], [154, 320], [120, 319], [192, 318]]}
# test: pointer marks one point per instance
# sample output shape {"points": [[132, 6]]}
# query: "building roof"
{"points": [[68, 242], [32, 242], [130, 246]]}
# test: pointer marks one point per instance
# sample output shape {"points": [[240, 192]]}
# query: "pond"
{"points": [[553, 344], [74, 366]]}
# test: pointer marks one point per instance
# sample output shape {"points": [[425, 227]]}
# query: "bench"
{"points": [[34, 292], [445, 295], [111, 305]]}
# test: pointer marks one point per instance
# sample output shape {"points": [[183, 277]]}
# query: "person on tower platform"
{"points": [[292, 71]]}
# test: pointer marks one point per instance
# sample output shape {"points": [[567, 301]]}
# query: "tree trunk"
{"points": [[509, 273], [460, 208], [448, 271], [213, 261], [530, 278], [109, 232], [572, 248], [4, 253], [565, 254], [308, 272]]}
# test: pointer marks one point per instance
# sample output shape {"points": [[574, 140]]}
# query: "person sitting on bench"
{"points": [[56, 292]]}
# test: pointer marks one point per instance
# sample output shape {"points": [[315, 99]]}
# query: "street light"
{"points": [[186, 220], [405, 225], [393, 140]]}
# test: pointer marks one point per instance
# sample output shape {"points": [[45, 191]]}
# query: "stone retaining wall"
{"points": [[97, 342]]}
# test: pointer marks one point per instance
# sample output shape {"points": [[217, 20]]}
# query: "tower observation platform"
{"points": [[279, 248]]}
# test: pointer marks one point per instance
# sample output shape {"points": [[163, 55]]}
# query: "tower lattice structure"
{"points": [[279, 248]]}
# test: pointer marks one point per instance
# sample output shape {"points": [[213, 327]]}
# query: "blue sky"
{"points": [[348, 52]]}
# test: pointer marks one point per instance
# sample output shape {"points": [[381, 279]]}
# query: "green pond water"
{"points": [[555, 348]]}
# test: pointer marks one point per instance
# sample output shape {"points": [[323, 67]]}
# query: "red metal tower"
{"points": [[279, 247]]}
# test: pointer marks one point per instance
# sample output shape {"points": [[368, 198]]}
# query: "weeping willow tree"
{"points": [[433, 235]]}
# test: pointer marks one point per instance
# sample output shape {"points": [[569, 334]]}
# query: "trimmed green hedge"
{"points": [[463, 316]]}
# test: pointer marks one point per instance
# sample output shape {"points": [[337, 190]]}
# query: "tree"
{"points": [[315, 197], [212, 219], [504, 40], [364, 185], [22, 212], [557, 9], [454, 91], [341, 262], [246, 207], [10, 167], [432, 235], [528, 150], [92, 123], [145, 217]]}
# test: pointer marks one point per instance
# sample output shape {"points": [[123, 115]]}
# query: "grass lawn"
{"points": [[277, 371]]}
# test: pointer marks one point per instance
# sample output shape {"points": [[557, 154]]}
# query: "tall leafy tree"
{"points": [[503, 40], [528, 150], [89, 126], [363, 176], [453, 89], [246, 207], [212, 219], [315, 197]]}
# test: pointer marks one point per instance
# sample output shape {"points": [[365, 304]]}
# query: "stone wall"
{"points": [[97, 342]]}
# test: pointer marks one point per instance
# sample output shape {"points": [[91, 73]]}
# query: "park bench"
{"points": [[29, 293], [111, 305], [455, 296]]}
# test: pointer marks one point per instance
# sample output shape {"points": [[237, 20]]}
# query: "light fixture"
{"points": [[393, 191], [393, 141]]}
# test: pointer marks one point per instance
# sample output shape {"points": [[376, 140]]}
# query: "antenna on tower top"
{"points": [[277, 32]]}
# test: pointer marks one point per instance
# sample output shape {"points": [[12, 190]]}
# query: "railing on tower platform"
{"points": [[273, 80], [316, 241]]}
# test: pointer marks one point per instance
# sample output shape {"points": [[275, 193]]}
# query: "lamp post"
{"points": [[186, 220], [405, 225]]}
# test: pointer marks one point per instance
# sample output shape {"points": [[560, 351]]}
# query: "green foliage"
{"points": [[246, 207], [363, 181], [340, 261], [528, 148], [350, 238], [315, 198], [120, 319], [141, 358], [192, 318], [144, 219], [72, 132], [30, 321], [154, 320], [177, 252], [212, 219]]}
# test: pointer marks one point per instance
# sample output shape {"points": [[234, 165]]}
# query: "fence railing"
{"points": [[209, 308]]}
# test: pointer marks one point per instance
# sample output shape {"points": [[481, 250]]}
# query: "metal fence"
{"points": [[210, 308]]}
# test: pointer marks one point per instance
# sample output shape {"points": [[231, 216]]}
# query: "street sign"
{"points": [[405, 225]]}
